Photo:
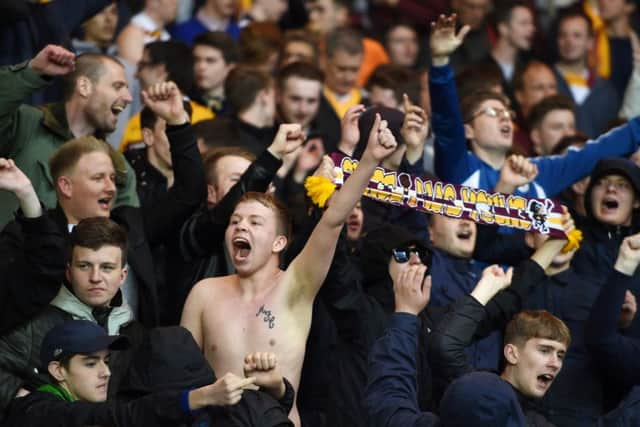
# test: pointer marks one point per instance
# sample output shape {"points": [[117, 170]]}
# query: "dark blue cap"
{"points": [[78, 337]]}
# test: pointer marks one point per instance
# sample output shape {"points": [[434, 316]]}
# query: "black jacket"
{"points": [[328, 123], [44, 409], [33, 253], [577, 395], [615, 354], [252, 138], [199, 252], [147, 227], [468, 320], [20, 352]]}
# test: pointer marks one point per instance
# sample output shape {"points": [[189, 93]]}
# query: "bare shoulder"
{"points": [[212, 285]]}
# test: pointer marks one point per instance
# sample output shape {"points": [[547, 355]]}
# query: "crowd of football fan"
{"points": [[162, 263]]}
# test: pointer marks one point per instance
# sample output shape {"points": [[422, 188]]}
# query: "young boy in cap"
{"points": [[76, 356]]}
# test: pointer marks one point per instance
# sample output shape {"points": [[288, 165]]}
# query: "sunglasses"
{"points": [[403, 254]]}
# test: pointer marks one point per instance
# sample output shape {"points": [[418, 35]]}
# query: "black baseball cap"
{"points": [[78, 337]]}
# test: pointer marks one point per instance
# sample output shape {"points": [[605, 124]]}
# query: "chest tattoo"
{"points": [[268, 318]]}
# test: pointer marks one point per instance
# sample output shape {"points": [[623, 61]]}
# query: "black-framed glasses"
{"points": [[403, 254], [494, 112]]}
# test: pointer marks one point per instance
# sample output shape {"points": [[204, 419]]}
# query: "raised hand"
{"points": [[381, 143], [326, 168], [444, 40], [53, 61], [309, 158], [14, 180], [350, 133], [166, 102], [288, 139], [493, 280], [415, 129], [629, 255], [263, 367], [412, 289], [552, 246], [516, 170]]}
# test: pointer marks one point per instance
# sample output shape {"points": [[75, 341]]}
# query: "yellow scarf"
{"points": [[600, 55], [341, 107]]}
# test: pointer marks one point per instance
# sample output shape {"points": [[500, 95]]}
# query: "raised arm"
{"points": [[18, 82], [616, 354], [517, 170], [558, 172], [32, 253], [415, 129], [456, 331], [451, 159], [492, 246], [308, 270], [201, 233], [391, 395], [164, 216]]}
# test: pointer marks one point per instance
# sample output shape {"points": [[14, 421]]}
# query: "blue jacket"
{"points": [[452, 279], [576, 397], [187, 31], [391, 393], [616, 354], [481, 399], [455, 163]]}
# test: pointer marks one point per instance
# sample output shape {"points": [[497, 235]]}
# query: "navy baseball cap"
{"points": [[78, 337]]}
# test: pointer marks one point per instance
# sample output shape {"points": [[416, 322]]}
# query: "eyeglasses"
{"points": [[495, 112], [403, 254], [618, 184]]}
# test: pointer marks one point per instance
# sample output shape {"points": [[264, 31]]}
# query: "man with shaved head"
{"points": [[95, 93]]}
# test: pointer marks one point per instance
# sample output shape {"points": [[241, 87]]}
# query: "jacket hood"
{"points": [[481, 399], [68, 302], [167, 359], [375, 255], [55, 119], [613, 166], [376, 249]]}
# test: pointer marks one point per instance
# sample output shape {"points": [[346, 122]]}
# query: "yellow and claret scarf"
{"points": [[430, 196]]}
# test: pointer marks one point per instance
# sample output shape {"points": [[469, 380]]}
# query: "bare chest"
{"points": [[235, 329]]}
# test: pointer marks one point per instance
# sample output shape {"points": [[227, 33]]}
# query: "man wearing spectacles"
{"points": [[490, 134], [495, 112], [391, 251], [612, 204]]}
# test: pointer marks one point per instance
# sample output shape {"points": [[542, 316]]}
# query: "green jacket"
{"points": [[30, 135]]}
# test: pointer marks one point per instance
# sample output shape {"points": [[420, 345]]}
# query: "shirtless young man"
{"points": [[262, 307]]}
